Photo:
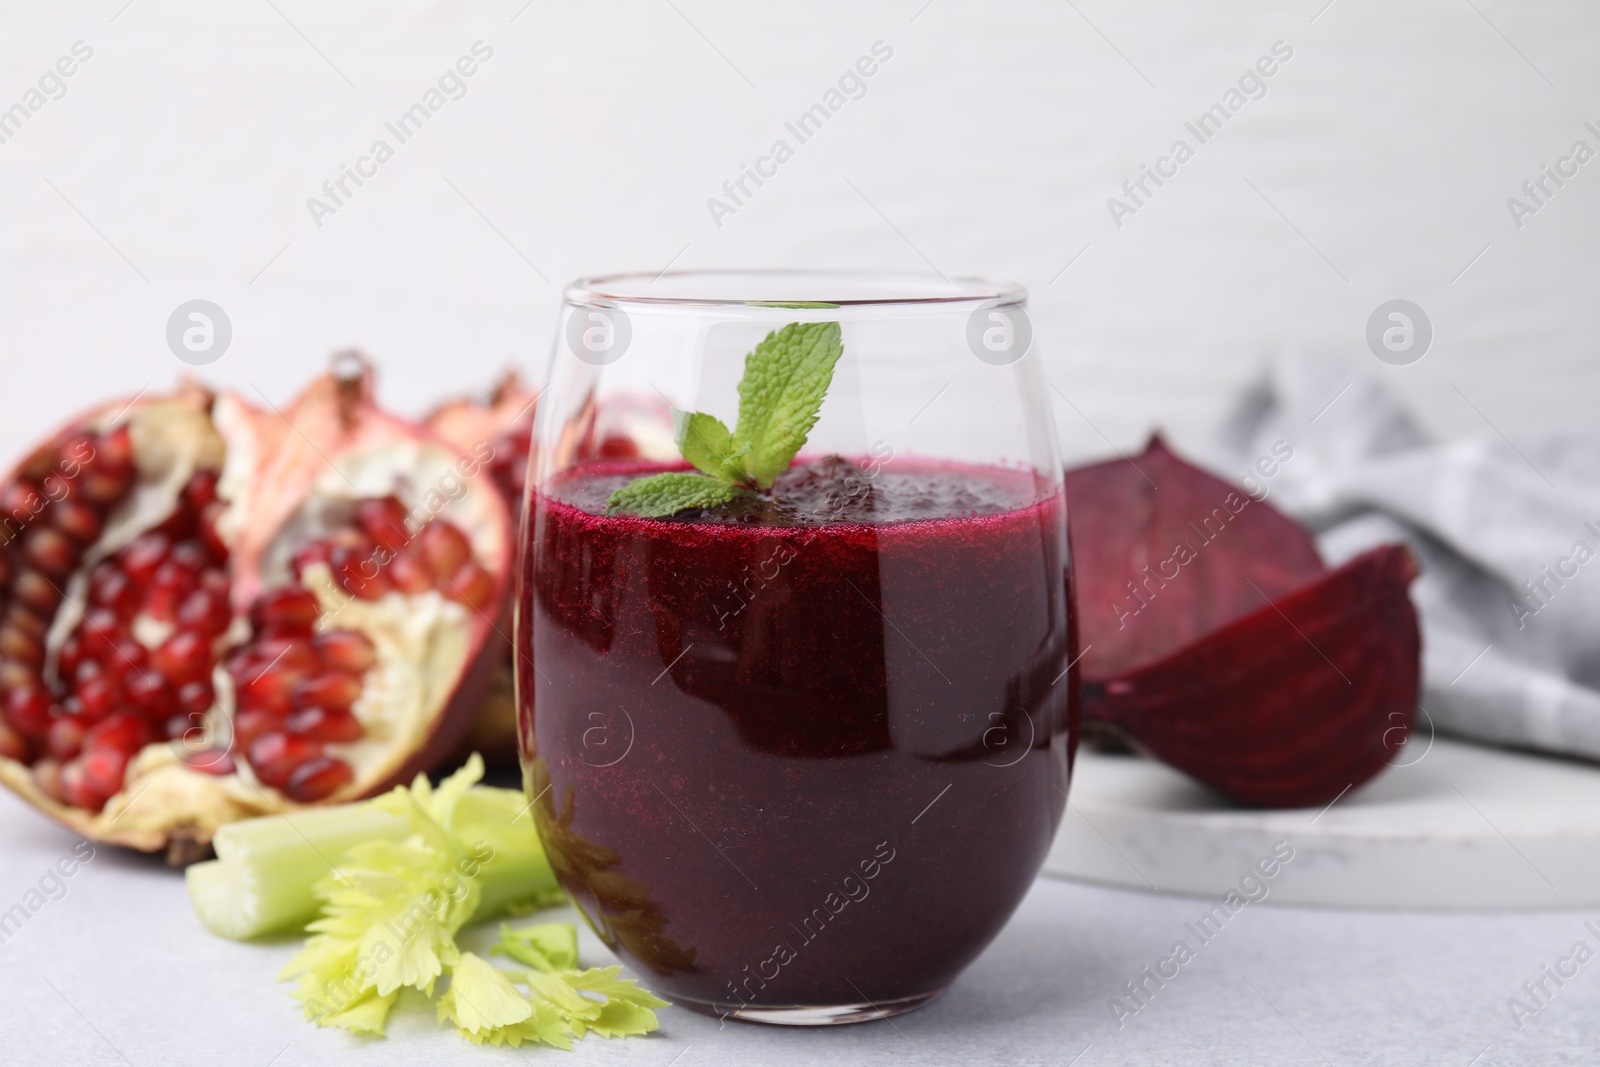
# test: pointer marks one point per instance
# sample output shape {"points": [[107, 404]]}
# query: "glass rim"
{"points": [[844, 288]]}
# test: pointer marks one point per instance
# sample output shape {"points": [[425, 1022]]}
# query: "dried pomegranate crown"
{"points": [[213, 611]]}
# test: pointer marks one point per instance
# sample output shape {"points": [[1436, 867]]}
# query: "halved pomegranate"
{"points": [[210, 611]]}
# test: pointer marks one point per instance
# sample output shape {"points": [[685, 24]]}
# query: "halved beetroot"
{"points": [[1216, 639], [213, 611]]}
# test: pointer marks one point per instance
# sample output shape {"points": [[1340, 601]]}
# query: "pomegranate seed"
{"points": [[105, 487], [183, 657], [14, 674], [103, 770], [19, 644], [215, 581], [179, 575], [65, 738], [249, 725], [322, 725], [215, 545], [13, 745], [127, 657], [180, 525], [357, 572], [334, 690], [472, 586], [77, 520], [112, 588], [447, 547], [384, 520], [216, 761], [22, 618], [99, 695], [204, 612], [318, 779], [47, 773], [191, 556], [201, 490], [113, 452], [99, 631], [184, 728], [37, 591], [308, 555], [140, 557], [288, 610], [410, 571], [345, 650], [27, 709], [50, 550], [149, 692], [76, 790], [196, 698], [276, 755], [21, 500], [124, 732], [162, 603], [70, 656], [263, 687]]}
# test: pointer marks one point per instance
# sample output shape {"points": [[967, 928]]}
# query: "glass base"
{"points": [[809, 1014]]}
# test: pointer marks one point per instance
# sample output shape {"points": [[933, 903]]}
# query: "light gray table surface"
{"points": [[118, 972], [179, 163]]}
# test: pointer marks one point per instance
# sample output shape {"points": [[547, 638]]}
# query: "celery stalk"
{"points": [[261, 881]]}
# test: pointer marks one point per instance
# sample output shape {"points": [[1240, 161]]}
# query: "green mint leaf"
{"points": [[656, 496], [706, 443], [785, 379]]}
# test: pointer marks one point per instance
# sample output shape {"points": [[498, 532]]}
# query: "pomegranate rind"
{"points": [[1304, 698], [470, 425], [1168, 553], [467, 423]]}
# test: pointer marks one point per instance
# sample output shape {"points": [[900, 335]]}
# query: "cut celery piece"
{"points": [[261, 881]]}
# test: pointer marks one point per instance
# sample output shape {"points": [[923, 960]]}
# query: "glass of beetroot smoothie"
{"points": [[796, 644]]}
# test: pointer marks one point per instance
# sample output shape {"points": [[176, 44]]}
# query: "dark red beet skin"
{"points": [[809, 754]]}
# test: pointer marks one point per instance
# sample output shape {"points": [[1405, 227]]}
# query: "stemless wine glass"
{"points": [[798, 756]]}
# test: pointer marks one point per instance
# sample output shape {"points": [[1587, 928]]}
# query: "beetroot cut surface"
{"points": [[1217, 640]]}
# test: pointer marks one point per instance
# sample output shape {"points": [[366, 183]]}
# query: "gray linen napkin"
{"points": [[1508, 536]]}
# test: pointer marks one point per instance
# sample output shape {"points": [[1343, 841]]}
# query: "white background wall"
{"points": [[1380, 159]]}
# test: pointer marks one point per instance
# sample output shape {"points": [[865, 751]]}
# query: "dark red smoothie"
{"points": [[805, 750]]}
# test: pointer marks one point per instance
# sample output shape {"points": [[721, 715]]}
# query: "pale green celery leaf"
{"points": [[546, 947], [785, 378], [618, 1018], [366, 1014], [547, 1026], [390, 914], [481, 997], [604, 980], [626, 1010], [659, 495], [558, 990], [708, 444], [430, 810]]}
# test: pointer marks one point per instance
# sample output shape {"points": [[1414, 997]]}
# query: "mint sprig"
{"points": [[785, 379]]}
